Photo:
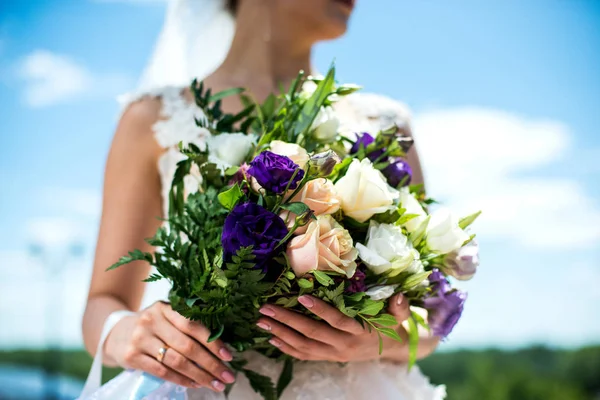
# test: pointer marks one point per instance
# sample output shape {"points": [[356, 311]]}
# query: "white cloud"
{"points": [[52, 78], [486, 159], [83, 202]]}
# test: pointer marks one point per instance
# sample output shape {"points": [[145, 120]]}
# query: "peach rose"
{"points": [[320, 195], [326, 246], [292, 151]]}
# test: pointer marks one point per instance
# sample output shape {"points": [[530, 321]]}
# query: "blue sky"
{"points": [[506, 104]]}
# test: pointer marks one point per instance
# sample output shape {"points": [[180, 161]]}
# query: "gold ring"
{"points": [[161, 353]]}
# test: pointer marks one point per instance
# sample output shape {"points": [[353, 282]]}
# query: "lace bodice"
{"points": [[312, 380]]}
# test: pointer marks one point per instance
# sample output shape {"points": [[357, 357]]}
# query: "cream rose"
{"points": [[364, 191], [443, 233], [292, 151], [326, 246], [388, 250], [412, 206]]}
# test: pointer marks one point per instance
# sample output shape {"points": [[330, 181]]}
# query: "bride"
{"points": [[260, 45]]}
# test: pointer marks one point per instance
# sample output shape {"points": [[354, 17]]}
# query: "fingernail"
{"points": [[228, 377], [264, 326], [275, 342], [399, 299], [306, 301], [218, 385], [267, 311], [225, 354]]}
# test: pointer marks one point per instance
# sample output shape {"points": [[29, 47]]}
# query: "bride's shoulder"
{"points": [[166, 111]]}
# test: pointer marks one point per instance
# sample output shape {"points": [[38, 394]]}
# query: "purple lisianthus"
{"points": [[365, 139], [399, 171], [357, 282], [274, 172], [444, 306], [249, 224]]}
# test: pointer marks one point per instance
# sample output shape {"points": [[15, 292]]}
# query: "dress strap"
{"points": [[94, 379]]}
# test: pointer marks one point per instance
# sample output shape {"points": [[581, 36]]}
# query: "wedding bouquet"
{"points": [[286, 207]]}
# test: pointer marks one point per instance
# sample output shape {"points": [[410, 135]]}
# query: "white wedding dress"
{"points": [[312, 380]]}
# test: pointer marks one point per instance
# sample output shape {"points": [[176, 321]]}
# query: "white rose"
{"points": [[228, 149], [291, 150], [364, 191], [326, 125], [388, 250], [443, 233], [381, 292], [412, 206]]}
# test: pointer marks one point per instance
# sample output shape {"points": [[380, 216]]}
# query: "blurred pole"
{"points": [[53, 260]]}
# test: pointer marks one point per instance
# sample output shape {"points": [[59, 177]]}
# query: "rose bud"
{"points": [[322, 164]]}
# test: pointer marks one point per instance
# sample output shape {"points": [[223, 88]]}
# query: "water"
{"points": [[20, 383]]}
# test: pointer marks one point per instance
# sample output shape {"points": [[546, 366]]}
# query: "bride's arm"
{"points": [[130, 211], [132, 206]]}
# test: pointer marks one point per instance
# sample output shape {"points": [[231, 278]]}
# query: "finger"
{"points": [[180, 364], [307, 326], [398, 306], [287, 349], [332, 315], [152, 366], [293, 338], [198, 332], [193, 350]]}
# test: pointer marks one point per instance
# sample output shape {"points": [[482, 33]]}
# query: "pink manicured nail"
{"points": [[399, 298], [228, 377], [218, 385], [275, 342], [225, 354], [267, 311], [306, 301], [264, 326]]}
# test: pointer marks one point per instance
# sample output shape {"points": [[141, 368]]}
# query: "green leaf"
{"points": [[286, 376], [468, 220], [391, 333], [372, 308], [384, 320], [232, 170], [215, 335], [298, 208], [230, 197], [261, 384], [313, 105], [153, 278], [323, 278], [414, 280], [289, 275], [413, 342], [305, 283], [417, 236], [225, 93]]}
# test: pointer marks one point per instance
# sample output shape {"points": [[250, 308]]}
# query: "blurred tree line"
{"points": [[536, 373]]}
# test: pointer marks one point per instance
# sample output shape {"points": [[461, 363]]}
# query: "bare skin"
{"points": [[268, 50]]}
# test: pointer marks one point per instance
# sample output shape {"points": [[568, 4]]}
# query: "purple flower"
{"points": [[444, 306], [398, 171], [274, 172], [365, 139], [249, 224], [357, 282]]}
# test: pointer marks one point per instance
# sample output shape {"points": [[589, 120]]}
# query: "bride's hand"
{"points": [[189, 360], [337, 338]]}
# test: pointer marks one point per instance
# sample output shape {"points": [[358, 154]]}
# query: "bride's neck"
{"points": [[264, 54]]}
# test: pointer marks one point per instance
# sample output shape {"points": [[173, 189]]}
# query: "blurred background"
{"points": [[506, 103]]}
